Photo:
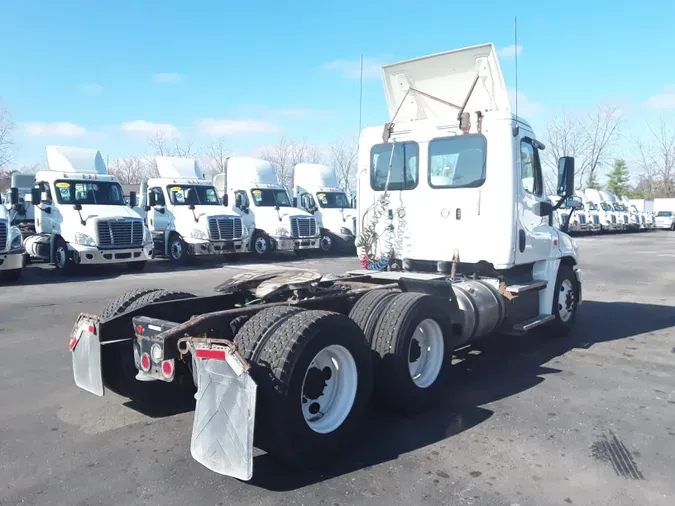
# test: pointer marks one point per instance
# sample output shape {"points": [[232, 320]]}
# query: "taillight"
{"points": [[167, 368], [145, 362]]}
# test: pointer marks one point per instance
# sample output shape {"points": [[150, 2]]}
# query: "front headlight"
{"points": [[147, 236], [198, 234], [282, 232], [16, 241], [84, 239], [244, 233], [345, 231]]}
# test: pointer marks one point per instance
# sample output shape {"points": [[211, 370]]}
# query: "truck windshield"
{"points": [[332, 200], [664, 213], [617, 207], [265, 197], [605, 206], [592, 206], [105, 193], [183, 195]]}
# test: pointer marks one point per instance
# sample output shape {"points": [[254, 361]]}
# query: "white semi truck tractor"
{"points": [[316, 190], [289, 361], [81, 217], [186, 216], [609, 219], [591, 210], [22, 214], [11, 242], [253, 190]]}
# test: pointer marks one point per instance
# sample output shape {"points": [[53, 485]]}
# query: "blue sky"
{"points": [[108, 74]]}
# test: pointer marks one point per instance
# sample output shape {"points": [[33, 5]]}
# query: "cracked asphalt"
{"points": [[585, 420]]}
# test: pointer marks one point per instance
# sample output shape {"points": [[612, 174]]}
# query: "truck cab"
{"points": [[11, 242], [455, 179], [591, 210], [576, 221], [81, 217], [609, 219], [316, 190], [253, 191], [23, 213], [636, 219], [186, 216]]}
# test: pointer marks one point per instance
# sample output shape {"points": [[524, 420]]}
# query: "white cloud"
{"points": [[148, 128], [351, 69], [90, 88], [289, 112], [58, 129], [510, 51], [166, 77], [216, 127], [663, 100], [526, 107]]}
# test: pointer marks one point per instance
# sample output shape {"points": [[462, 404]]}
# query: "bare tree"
{"points": [[163, 145], [6, 141], [216, 156], [588, 138], [657, 161], [130, 170], [285, 155], [343, 162]]}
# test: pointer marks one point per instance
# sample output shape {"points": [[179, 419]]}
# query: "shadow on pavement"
{"points": [[492, 369]]}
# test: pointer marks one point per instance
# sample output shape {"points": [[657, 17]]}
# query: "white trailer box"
{"points": [[253, 191], [82, 217], [186, 216], [316, 190]]}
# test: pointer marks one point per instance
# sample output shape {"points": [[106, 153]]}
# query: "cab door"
{"points": [[47, 216], [157, 217], [534, 234]]}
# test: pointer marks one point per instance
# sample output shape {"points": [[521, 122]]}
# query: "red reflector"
{"points": [[145, 362], [72, 343], [167, 368], [210, 353], [139, 329], [92, 329]]}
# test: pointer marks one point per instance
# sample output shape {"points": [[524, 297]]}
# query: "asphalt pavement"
{"points": [[585, 420]]}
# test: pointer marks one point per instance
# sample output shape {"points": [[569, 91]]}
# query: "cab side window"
{"points": [[531, 179], [159, 196]]}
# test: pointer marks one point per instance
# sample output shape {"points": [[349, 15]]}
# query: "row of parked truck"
{"points": [[76, 213], [593, 211]]}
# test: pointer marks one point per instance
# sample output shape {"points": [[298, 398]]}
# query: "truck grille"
{"points": [[303, 227], [596, 219], [613, 219], [642, 218], [3, 234], [625, 219], [120, 233], [225, 228], [582, 219]]}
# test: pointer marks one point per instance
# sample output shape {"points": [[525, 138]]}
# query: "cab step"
{"points": [[533, 322], [528, 286]]}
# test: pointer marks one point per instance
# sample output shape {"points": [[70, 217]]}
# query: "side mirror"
{"points": [[77, 207], [35, 196], [14, 196], [132, 199], [565, 176], [543, 208], [295, 201], [226, 200], [44, 198], [574, 204], [237, 200], [152, 199]]}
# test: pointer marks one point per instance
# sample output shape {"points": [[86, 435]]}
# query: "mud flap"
{"points": [[222, 433], [86, 353]]}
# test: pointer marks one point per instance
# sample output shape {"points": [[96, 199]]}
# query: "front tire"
{"points": [[178, 252], [327, 244], [62, 259], [565, 301], [261, 245]]}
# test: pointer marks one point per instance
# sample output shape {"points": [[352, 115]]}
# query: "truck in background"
{"points": [[316, 190], [591, 210], [185, 215], [646, 208], [11, 241], [622, 214], [609, 218], [81, 217], [252, 189], [289, 361], [23, 213], [638, 219]]}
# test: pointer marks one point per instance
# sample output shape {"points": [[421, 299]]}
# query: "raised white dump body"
{"points": [[11, 248], [253, 191], [316, 190], [185, 214], [609, 218], [82, 217]]}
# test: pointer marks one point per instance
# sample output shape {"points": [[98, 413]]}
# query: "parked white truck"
{"points": [[186, 216], [637, 220], [81, 217], [11, 242], [646, 208], [23, 213], [254, 192], [570, 216], [591, 210], [316, 190], [290, 360], [609, 218]]}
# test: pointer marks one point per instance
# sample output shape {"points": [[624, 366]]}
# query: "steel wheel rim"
{"points": [[61, 257], [326, 243], [260, 245], [329, 389], [176, 250], [566, 301], [426, 366]]}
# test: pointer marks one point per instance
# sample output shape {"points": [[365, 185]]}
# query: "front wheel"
{"points": [[261, 246], [565, 301], [326, 243], [62, 260], [178, 253]]}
